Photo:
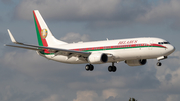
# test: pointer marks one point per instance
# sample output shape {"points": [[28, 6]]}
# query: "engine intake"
{"points": [[97, 58], [136, 62]]}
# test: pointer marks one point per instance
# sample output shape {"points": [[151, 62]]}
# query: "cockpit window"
{"points": [[166, 43], [163, 43]]}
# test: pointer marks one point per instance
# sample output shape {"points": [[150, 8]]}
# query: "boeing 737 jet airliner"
{"points": [[133, 51]]}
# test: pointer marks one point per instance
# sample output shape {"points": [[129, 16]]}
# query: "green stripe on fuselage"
{"points": [[121, 48], [108, 49]]}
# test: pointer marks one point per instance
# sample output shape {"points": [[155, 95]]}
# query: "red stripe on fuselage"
{"points": [[157, 45], [120, 46]]}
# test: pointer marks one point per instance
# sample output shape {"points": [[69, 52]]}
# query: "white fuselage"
{"points": [[120, 49]]}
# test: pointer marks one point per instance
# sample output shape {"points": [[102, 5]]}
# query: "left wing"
{"points": [[56, 51]]}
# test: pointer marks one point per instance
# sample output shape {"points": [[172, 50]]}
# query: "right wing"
{"points": [[56, 51]]}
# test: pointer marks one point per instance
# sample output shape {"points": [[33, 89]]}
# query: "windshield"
{"points": [[163, 43]]}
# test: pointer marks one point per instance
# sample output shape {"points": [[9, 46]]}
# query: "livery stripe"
{"points": [[37, 31], [113, 48], [118, 47], [41, 41]]}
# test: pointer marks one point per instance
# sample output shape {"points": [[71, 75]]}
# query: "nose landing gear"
{"points": [[161, 58], [159, 64]]}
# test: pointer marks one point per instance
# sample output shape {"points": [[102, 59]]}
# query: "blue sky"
{"points": [[27, 76]]}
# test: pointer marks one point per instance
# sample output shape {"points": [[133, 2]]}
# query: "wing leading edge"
{"points": [[56, 51]]}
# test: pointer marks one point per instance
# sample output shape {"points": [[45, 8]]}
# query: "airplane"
{"points": [[133, 51]]}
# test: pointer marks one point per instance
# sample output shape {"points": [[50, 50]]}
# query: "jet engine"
{"points": [[136, 62], [97, 58]]}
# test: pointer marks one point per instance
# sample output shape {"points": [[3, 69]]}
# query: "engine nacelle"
{"points": [[97, 58], [136, 62]]}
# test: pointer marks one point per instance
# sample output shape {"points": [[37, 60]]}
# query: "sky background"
{"points": [[25, 76]]}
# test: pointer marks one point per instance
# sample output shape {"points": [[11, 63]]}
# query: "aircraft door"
{"points": [[151, 45]]}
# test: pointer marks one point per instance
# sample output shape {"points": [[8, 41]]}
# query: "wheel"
{"points": [[159, 64], [114, 68], [91, 67], [87, 67], [110, 69]]}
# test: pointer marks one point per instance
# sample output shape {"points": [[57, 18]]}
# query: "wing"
{"points": [[56, 51]]}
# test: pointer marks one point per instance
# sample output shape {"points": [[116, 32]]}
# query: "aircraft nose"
{"points": [[171, 49], [174, 49]]}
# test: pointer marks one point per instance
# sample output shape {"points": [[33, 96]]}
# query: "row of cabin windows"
{"points": [[108, 47]]}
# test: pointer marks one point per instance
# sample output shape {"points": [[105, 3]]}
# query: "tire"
{"points": [[110, 68], [114, 68], [87, 67], [159, 64], [91, 67]]}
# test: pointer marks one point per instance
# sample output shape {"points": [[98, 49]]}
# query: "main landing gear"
{"points": [[90, 67], [112, 68]]}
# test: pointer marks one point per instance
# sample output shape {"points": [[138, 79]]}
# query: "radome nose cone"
{"points": [[173, 49], [170, 49]]}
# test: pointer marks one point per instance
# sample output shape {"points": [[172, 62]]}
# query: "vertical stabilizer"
{"points": [[44, 35]]}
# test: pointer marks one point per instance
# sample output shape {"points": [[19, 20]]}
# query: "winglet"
{"points": [[12, 38]]}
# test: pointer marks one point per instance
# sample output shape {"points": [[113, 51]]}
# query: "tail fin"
{"points": [[44, 35]]}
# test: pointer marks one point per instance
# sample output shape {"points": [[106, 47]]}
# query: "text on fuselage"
{"points": [[128, 42]]}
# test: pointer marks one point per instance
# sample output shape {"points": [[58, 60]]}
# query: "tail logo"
{"points": [[44, 33]]}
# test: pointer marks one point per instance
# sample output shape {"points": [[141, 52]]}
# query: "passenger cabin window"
{"points": [[163, 43]]}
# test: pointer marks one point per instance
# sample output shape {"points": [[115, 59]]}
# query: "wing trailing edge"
{"points": [[57, 51]]}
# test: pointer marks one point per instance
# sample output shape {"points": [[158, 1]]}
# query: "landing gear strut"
{"points": [[89, 67], [161, 58], [112, 68]]}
